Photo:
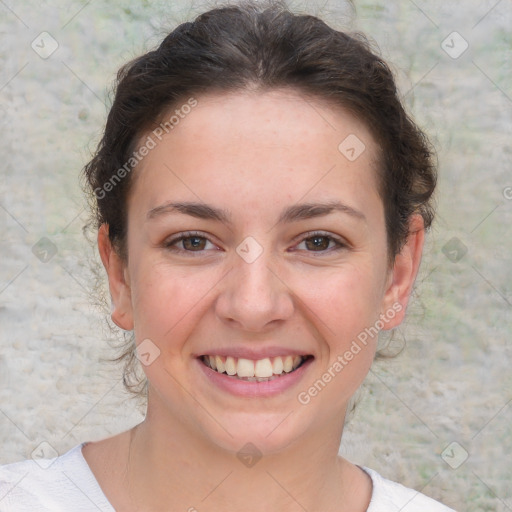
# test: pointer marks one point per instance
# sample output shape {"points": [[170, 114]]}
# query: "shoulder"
{"points": [[58, 484], [388, 496]]}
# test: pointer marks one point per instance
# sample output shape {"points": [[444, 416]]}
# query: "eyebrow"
{"points": [[293, 213]]}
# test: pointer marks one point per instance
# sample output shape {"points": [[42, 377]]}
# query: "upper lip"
{"points": [[253, 353]]}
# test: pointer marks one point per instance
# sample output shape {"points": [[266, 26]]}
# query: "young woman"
{"points": [[261, 202]]}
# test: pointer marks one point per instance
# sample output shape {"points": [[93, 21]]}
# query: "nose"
{"points": [[254, 296]]}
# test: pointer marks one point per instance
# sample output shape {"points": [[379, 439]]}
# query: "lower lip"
{"points": [[253, 388]]}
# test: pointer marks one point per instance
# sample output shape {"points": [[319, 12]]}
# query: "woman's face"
{"points": [[259, 277]]}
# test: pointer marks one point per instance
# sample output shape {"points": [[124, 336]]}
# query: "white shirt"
{"points": [[67, 484]]}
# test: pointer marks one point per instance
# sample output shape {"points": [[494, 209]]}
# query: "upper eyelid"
{"points": [[310, 234]]}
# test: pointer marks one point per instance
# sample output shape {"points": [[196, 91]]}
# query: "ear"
{"points": [[117, 273], [403, 274]]}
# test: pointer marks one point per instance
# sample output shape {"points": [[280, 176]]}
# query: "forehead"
{"points": [[275, 117], [253, 145]]}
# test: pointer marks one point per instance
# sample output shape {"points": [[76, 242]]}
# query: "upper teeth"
{"points": [[248, 368]]}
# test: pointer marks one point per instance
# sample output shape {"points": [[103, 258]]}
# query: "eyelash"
{"points": [[168, 244]]}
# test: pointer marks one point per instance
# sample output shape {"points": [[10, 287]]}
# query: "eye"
{"points": [[196, 242], [190, 242], [322, 242]]}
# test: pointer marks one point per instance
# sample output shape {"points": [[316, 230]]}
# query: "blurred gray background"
{"points": [[438, 416]]}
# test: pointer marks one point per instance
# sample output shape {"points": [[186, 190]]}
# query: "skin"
{"points": [[251, 154]]}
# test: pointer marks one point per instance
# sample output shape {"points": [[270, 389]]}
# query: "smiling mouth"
{"points": [[261, 370]]}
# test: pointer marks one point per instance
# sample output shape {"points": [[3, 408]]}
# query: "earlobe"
{"points": [[404, 271], [120, 293]]}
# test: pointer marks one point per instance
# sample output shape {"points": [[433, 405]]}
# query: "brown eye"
{"points": [[188, 243], [321, 243], [194, 242], [318, 243]]}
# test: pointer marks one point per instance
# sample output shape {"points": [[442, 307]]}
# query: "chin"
{"points": [[263, 433]]}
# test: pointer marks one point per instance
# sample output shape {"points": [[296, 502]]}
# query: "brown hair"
{"points": [[262, 46]]}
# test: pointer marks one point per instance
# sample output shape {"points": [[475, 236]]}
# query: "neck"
{"points": [[169, 463]]}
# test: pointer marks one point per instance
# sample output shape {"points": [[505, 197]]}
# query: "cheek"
{"points": [[347, 300], [345, 305], [167, 300]]}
